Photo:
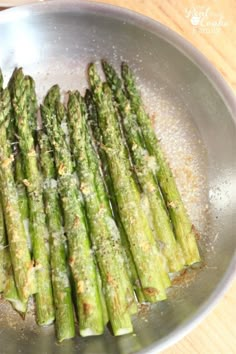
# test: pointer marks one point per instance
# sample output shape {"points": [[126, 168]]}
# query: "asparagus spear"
{"points": [[184, 230], [33, 182], [7, 282], [146, 168], [21, 261], [80, 256], [141, 239], [1, 80], [60, 280], [98, 182], [96, 136], [105, 315], [3, 250], [19, 174], [22, 195], [104, 238], [32, 103], [10, 291]]}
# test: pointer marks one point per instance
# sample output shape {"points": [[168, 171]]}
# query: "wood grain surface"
{"points": [[210, 27]]}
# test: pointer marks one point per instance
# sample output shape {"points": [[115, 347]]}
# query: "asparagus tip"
{"points": [[106, 88], [124, 69], [104, 63]]}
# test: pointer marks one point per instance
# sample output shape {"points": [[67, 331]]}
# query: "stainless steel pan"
{"points": [[194, 113]]}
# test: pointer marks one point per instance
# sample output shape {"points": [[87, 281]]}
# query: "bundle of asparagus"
{"points": [[103, 231], [146, 167], [184, 230], [82, 263], [24, 115], [74, 229], [20, 256], [62, 292]]}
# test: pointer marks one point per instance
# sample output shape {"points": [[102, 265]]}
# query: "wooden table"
{"points": [[217, 333]]}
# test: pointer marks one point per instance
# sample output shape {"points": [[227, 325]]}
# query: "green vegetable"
{"points": [[7, 282], [80, 256], [3, 250], [22, 195], [40, 239], [121, 246], [32, 103], [103, 231], [10, 292], [184, 230], [96, 137], [1, 80], [21, 261], [141, 239], [18, 167], [60, 280], [105, 314], [146, 167]]}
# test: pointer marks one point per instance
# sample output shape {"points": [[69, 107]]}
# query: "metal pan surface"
{"points": [[194, 113]]}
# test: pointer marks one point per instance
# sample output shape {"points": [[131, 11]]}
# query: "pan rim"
{"points": [[212, 74]]}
